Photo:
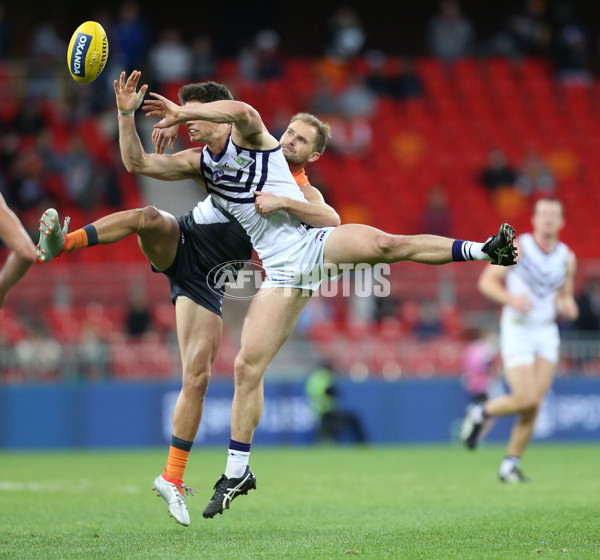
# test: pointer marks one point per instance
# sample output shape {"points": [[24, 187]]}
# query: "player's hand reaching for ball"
{"points": [[128, 98], [161, 107]]}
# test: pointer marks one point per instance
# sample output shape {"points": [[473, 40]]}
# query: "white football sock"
{"points": [[472, 251], [237, 461], [508, 464]]}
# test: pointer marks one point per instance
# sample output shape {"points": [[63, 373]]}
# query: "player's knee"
{"points": [[150, 217], [387, 246], [528, 403], [26, 253], [196, 380], [247, 374]]}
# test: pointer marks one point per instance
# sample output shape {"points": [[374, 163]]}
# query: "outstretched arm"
{"points": [[22, 254], [182, 165], [314, 212], [248, 128]]}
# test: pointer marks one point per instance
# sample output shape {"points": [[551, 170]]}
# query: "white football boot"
{"points": [[174, 495]]}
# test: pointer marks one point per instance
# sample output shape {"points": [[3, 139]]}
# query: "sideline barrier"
{"points": [[410, 411]]}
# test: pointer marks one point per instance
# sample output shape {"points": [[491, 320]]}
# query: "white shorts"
{"points": [[301, 265], [520, 344]]}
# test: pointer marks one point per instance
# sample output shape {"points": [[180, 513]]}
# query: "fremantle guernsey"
{"points": [[539, 275], [231, 178]]}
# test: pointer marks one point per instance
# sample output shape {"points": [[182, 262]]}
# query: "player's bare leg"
{"points": [[542, 373], [523, 393], [199, 334], [357, 243], [158, 232], [269, 322], [22, 255]]}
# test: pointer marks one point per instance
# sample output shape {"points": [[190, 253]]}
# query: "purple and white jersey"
{"points": [[232, 177], [539, 275]]}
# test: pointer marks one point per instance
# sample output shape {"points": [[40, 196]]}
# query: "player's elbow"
{"points": [[136, 164], [132, 166], [245, 112], [334, 219]]}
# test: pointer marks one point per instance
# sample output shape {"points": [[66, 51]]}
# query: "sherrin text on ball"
{"points": [[88, 52]]}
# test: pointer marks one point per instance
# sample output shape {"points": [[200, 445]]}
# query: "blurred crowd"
{"points": [[59, 147]]}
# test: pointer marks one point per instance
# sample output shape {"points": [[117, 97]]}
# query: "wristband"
{"points": [[138, 102]]}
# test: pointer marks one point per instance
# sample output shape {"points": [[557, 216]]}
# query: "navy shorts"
{"points": [[188, 273]]}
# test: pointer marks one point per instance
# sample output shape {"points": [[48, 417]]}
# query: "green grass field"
{"points": [[325, 502]]}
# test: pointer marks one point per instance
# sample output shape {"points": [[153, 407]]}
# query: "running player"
{"points": [[532, 294], [186, 248], [22, 250], [241, 158]]}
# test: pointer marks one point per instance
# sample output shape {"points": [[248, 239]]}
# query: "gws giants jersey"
{"points": [[232, 177], [540, 275]]}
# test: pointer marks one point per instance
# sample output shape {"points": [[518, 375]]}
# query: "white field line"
{"points": [[55, 486]]}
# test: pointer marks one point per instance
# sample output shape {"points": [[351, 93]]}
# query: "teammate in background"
{"points": [[22, 250], [211, 239], [240, 159], [533, 294]]}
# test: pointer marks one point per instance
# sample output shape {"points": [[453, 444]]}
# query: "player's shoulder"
{"points": [[301, 178]]}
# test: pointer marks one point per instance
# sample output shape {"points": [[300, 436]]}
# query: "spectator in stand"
{"points": [[357, 100], [131, 37], [530, 28], [92, 354], [351, 126], [350, 135], [500, 178], [325, 100], [346, 34], [498, 173], [30, 119], [269, 63], [204, 62], [450, 34], [139, 319], [377, 79], [571, 48], [46, 43], [38, 353], [27, 183], [534, 176], [261, 59], [589, 306], [5, 35], [170, 60], [437, 216], [404, 81], [47, 53], [429, 324], [78, 174], [526, 31], [318, 311]]}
